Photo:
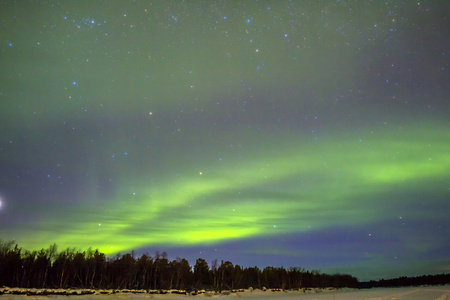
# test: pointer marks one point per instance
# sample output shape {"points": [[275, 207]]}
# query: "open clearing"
{"points": [[416, 293]]}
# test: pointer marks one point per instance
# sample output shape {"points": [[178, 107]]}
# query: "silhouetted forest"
{"points": [[92, 269], [439, 279], [48, 268]]}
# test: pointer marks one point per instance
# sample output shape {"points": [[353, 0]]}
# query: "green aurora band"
{"points": [[330, 182]]}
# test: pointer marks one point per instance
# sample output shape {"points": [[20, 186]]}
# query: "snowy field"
{"points": [[416, 293]]}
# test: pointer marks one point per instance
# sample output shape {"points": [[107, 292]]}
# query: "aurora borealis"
{"points": [[285, 133]]}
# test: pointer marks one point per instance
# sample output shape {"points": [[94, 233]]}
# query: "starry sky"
{"points": [[308, 134]]}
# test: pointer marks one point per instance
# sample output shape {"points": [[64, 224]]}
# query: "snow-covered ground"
{"points": [[416, 293]]}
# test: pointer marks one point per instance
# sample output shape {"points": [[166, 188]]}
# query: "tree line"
{"points": [[70, 268], [91, 269], [438, 279]]}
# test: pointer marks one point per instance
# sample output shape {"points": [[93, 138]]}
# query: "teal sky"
{"points": [[285, 133]]}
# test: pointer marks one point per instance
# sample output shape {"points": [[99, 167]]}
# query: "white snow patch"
{"points": [[417, 293]]}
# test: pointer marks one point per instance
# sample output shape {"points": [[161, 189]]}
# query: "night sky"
{"points": [[308, 134]]}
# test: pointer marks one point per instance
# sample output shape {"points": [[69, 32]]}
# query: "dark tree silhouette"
{"points": [[226, 275], [215, 275], [252, 277], [201, 274], [144, 272], [91, 269]]}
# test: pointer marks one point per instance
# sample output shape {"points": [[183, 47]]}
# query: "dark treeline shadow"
{"points": [[72, 268], [48, 268], [438, 279]]}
